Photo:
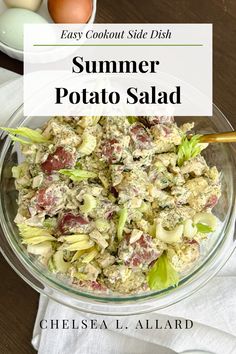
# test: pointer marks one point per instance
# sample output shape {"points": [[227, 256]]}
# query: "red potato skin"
{"points": [[70, 221], [90, 284], [140, 137], [60, 159], [195, 245], [159, 120], [45, 199], [111, 150], [212, 201], [143, 251]]}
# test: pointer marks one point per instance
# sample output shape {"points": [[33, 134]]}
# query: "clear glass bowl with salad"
{"points": [[116, 215]]}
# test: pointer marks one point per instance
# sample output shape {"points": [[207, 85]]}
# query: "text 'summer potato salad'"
{"points": [[115, 204]]}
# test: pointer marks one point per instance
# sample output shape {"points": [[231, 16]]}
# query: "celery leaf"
{"points": [[162, 275]]}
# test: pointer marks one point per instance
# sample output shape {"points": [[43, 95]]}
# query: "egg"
{"points": [[70, 11], [12, 26], [32, 5]]}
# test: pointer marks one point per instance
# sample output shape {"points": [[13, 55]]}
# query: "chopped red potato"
{"points": [[140, 253], [140, 136], [61, 158], [111, 150], [70, 223]]}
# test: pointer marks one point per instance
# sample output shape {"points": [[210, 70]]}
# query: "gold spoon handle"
{"points": [[228, 137]]}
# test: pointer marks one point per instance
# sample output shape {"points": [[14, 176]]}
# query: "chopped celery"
{"points": [[207, 222], [204, 229], [88, 144], [77, 174], [42, 249], [50, 223], [89, 203], [20, 170], [102, 225], [34, 136], [88, 257], [132, 120], [123, 214], [51, 265], [59, 262], [74, 238], [81, 245], [34, 235]]}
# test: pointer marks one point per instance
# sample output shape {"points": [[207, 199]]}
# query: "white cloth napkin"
{"points": [[11, 93], [213, 308]]}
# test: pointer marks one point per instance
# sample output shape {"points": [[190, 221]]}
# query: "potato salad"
{"points": [[114, 204]]}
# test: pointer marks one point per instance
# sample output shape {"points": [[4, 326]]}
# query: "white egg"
{"points": [[32, 5], [12, 26]]}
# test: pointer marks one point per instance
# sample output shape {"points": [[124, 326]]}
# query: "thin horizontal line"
{"points": [[118, 45]]}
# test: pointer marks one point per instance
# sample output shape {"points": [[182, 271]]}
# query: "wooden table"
{"points": [[18, 302]]}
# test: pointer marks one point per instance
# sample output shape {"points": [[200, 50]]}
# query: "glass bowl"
{"points": [[214, 254]]}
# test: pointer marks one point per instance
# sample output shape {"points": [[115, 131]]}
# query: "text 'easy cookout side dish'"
{"points": [[115, 204]]}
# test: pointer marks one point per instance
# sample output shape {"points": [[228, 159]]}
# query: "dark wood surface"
{"points": [[18, 302]]}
